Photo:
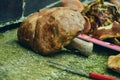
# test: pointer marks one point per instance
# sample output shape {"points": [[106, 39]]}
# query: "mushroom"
{"points": [[108, 32], [114, 62], [116, 2], [49, 30]]}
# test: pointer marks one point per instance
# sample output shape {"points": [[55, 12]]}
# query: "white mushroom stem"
{"points": [[84, 47]]}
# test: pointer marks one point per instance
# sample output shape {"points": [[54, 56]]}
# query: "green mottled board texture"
{"points": [[20, 63]]}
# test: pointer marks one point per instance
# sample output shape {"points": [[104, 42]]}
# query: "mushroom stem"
{"points": [[84, 47]]}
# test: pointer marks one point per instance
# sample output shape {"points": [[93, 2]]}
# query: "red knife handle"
{"points": [[100, 76]]}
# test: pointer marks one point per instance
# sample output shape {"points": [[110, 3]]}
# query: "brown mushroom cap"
{"points": [[49, 30], [26, 31]]}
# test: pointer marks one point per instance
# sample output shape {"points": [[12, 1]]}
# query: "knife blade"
{"points": [[93, 75]]}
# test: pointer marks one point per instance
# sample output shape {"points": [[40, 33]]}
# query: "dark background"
{"points": [[13, 10]]}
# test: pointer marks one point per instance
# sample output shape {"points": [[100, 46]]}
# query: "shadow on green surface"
{"points": [[9, 27], [113, 72], [3, 72], [104, 50]]}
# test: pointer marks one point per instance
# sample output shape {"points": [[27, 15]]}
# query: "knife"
{"points": [[92, 75]]}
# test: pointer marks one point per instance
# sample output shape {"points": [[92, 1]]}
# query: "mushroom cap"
{"points": [[49, 30]]}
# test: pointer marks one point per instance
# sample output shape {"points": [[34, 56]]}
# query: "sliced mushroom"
{"points": [[109, 32], [114, 63]]}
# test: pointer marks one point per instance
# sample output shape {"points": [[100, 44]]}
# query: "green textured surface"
{"points": [[20, 63]]}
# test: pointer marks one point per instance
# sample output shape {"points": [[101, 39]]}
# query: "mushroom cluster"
{"points": [[104, 18]]}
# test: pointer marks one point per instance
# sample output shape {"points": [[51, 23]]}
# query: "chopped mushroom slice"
{"points": [[114, 63]]}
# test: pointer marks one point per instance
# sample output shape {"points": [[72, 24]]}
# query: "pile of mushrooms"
{"points": [[104, 18]]}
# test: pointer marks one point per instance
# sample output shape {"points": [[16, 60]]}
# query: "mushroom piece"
{"points": [[114, 63], [116, 2], [108, 32]]}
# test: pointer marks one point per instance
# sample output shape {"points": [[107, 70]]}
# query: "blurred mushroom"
{"points": [[104, 18], [101, 13], [116, 2], [114, 63], [107, 32]]}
